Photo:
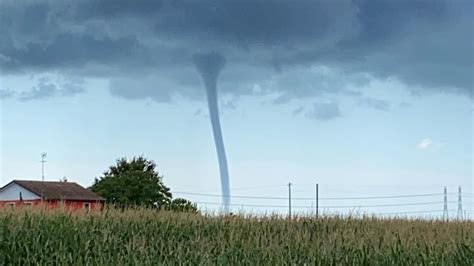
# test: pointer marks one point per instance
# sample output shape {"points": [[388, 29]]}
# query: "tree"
{"points": [[183, 205], [133, 182]]}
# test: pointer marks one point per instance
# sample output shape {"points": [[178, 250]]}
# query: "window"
{"points": [[28, 204], [11, 204], [87, 206]]}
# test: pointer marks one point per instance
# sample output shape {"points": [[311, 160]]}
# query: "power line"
{"points": [[328, 207], [251, 205], [386, 197], [210, 189], [258, 187], [304, 198], [412, 212], [331, 186], [237, 197], [385, 205]]}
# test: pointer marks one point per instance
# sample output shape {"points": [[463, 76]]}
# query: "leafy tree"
{"points": [[183, 205], [133, 182]]}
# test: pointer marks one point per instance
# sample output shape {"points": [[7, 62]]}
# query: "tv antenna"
{"points": [[43, 161]]}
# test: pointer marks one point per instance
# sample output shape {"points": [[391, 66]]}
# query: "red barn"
{"points": [[51, 194]]}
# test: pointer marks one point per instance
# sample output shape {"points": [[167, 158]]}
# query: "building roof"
{"points": [[58, 190]]}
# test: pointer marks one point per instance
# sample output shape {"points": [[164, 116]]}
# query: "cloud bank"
{"points": [[47, 89], [145, 47]]}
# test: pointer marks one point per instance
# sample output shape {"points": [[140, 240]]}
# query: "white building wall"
{"points": [[12, 192]]}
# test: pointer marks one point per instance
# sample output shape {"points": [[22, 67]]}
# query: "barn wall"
{"points": [[80, 204], [18, 203], [12, 192], [69, 205]]}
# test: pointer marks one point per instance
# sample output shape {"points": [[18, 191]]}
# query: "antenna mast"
{"points": [[43, 161]]}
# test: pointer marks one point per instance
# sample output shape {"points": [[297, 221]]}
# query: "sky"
{"points": [[362, 97]]}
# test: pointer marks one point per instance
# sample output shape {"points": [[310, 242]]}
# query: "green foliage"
{"points": [[146, 237], [183, 205], [133, 182]]}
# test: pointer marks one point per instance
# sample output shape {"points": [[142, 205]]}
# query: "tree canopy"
{"points": [[133, 182], [182, 205]]}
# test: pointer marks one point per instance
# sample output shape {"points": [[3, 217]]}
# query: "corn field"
{"points": [[147, 237]]}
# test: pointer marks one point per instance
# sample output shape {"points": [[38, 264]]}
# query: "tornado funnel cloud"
{"points": [[209, 67]]}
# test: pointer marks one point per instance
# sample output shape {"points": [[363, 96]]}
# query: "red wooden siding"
{"points": [[69, 204]]}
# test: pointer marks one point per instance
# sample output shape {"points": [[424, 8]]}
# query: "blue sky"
{"points": [[382, 103], [267, 144]]}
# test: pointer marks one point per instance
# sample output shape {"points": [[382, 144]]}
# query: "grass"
{"points": [[146, 237]]}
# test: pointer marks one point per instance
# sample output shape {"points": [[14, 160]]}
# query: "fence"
{"points": [[287, 201]]}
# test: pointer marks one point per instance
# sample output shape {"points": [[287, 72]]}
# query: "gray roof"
{"points": [[58, 190]]}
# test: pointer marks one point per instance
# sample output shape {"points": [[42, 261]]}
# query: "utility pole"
{"points": [[459, 203], [289, 200], [317, 200], [43, 161], [445, 210]]}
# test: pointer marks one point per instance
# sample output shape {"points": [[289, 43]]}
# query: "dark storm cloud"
{"points": [[373, 103], [44, 89], [250, 23], [110, 9], [324, 111], [425, 45], [71, 89], [141, 89], [70, 50], [47, 89]]}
